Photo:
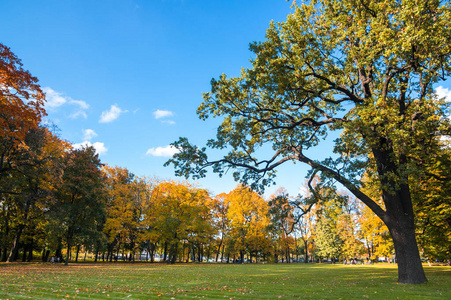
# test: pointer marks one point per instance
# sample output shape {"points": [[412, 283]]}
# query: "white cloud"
{"points": [[111, 115], [100, 147], [170, 122], [162, 114], [77, 114], [167, 151], [81, 103], [54, 99], [88, 134], [443, 93]]}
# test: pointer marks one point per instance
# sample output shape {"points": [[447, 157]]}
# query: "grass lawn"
{"points": [[250, 281]]}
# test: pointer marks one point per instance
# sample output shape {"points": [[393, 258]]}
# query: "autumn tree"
{"points": [[365, 69], [249, 221], [31, 183], [282, 219], [348, 230], [180, 212], [375, 235], [21, 107], [432, 203], [222, 223], [124, 209], [79, 204]]}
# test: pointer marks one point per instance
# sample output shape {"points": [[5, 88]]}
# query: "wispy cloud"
{"points": [[56, 99], [79, 113], [162, 114], [100, 147], [167, 151], [82, 104], [89, 134], [443, 93], [112, 114]]}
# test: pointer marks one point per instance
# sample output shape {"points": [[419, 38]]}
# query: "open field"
{"points": [[250, 281]]}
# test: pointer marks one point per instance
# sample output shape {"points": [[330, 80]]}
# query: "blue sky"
{"points": [[127, 75]]}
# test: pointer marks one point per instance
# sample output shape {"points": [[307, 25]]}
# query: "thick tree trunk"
{"points": [[401, 224], [410, 268], [399, 215]]}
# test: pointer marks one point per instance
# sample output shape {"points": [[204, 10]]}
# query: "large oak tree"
{"points": [[365, 69]]}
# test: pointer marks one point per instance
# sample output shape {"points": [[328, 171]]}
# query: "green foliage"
{"points": [[432, 198], [78, 208]]}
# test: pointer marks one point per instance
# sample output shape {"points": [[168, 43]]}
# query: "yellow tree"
{"points": [[222, 223], [347, 227], [249, 221], [375, 235], [123, 210], [179, 213]]}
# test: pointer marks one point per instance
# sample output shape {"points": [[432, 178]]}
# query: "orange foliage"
{"points": [[21, 98]]}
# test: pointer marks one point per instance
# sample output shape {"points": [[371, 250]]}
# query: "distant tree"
{"points": [[79, 204], [328, 240], [179, 213], [375, 235], [124, 209], [282, 220], [222, 223], [249, 221], [365, 69], [31, 182]]}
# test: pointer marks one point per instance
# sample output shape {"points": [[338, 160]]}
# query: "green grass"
{"points": [[211, 281]]}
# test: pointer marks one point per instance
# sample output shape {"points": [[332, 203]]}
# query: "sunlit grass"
{"points": [[252, 281]]}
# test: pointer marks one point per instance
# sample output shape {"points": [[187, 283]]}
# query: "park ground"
{"points": [[215, 281]]}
